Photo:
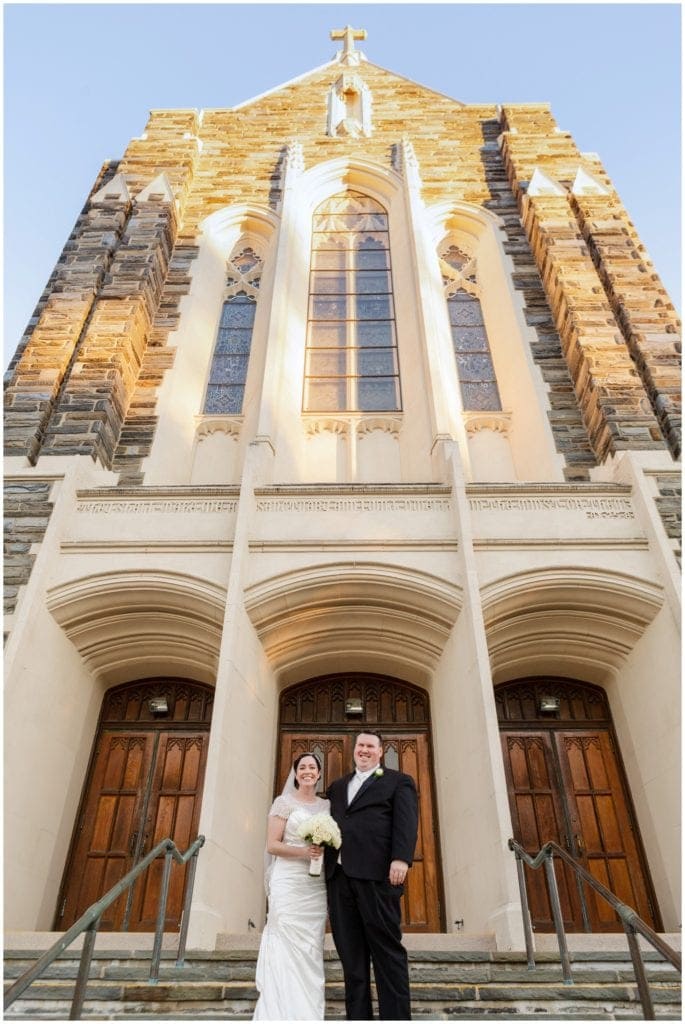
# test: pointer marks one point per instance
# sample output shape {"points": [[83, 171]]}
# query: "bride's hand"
{"points": [[314, 852]]}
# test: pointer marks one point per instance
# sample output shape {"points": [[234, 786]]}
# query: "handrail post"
{"points": [[558, 919], [640, 975], [84, 970], [185, 919], [161, 917], [525, 912]]}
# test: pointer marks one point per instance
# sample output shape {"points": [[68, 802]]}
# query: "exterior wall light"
{"points": [[158, 706], [354, 706], [548, 703]]}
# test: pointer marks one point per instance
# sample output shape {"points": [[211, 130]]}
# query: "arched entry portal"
{"points": [[566, 783], [144, 783], [324, 714]]}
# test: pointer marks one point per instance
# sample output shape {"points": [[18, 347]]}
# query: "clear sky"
{"points": [[81, 78]]}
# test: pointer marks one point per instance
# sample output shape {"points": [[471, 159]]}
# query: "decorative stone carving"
{"points": [[349, 107], [293, 164], [333, 426], [294, 156], [389, 424], [495, 420], [243, 273], [219, 425], [408, 163], [459, 271]]}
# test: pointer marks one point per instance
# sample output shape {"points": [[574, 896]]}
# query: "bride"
{"points": [[289, 976]]}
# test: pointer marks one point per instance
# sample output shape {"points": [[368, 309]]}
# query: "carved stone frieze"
{"points": [[230, 425], [327, 424], [389, 424], [497, 421]]}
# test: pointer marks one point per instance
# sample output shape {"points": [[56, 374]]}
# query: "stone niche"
{"points": [[490, 455], [349, 107], [215, 456]]}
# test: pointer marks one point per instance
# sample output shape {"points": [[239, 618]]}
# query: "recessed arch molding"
{"points": [[576, 621], [132, 623], [367, 613]]}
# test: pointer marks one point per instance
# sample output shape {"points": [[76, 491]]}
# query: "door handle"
{"points": [[580, 845]]}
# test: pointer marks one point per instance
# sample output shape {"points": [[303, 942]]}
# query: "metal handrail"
{"points": [[630, 919], [90, 921]]}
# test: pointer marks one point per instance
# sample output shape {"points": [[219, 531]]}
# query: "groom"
{"points": [[377, 811]]}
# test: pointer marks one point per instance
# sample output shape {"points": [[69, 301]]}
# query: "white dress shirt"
{"points": [[356, 783]]}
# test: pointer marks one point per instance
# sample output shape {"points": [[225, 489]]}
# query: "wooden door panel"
{"points": [[538, 818], [334, 753], [420, 903], [104, 851], [173, 810], [604, 834]]}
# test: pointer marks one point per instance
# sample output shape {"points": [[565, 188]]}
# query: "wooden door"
{"points": [[538, 817], [108, 835], [145, 783], [406, 747], [603, 833], [566, 784], [173, 810]]}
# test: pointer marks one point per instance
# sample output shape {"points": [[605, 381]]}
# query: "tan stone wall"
{"points": [[617, 325]]}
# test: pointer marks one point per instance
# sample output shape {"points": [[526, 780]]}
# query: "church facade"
{"points": [[351, 406]]}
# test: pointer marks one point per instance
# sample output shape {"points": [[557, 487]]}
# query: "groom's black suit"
{"points": [[379, 826]]}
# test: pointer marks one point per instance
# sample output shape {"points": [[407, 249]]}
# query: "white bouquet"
{"points": [[320, 830]]}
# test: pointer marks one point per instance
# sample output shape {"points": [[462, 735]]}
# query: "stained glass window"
{"points": [[351, 362], [228, 372], [475, 368]]}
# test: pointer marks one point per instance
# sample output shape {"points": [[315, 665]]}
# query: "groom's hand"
{"points": [[398, 872]]}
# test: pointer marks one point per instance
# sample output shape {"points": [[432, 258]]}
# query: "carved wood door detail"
{"points": [[566, 783], [145, 783], [400, 713]]}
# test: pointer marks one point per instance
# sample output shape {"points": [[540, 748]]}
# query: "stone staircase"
{"points": [[447, 983]]}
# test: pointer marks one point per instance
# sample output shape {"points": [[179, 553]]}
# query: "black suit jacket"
{"points": [[379, 826]]}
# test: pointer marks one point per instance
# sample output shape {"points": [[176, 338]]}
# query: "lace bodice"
{"points": [[295, 813]]}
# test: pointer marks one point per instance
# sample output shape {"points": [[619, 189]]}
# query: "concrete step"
{"points": [[446, 984]]}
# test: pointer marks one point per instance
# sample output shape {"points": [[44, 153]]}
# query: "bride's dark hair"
{"points": [[297, 760]]}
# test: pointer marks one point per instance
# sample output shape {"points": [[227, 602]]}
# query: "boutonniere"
{"points": [[378, 772]]}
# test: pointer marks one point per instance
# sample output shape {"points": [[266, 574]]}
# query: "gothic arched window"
{"points": [[352, 363], [476, 372], [228, 372]]}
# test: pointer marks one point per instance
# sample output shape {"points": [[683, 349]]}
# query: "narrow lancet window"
{"points": [[228, 372], [475, 368], [351, 362]]}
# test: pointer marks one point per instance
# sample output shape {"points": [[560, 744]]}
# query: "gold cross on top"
{"points": [[348, 34]]}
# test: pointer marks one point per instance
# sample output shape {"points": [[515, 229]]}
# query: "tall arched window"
{"points": [[351, 360], [228, 372], [471, 347]]}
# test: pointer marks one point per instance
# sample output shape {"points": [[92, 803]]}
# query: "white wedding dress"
{"points": [[290, 977]]}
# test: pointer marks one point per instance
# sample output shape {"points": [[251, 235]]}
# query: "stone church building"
{"points": [[351, 405]]}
